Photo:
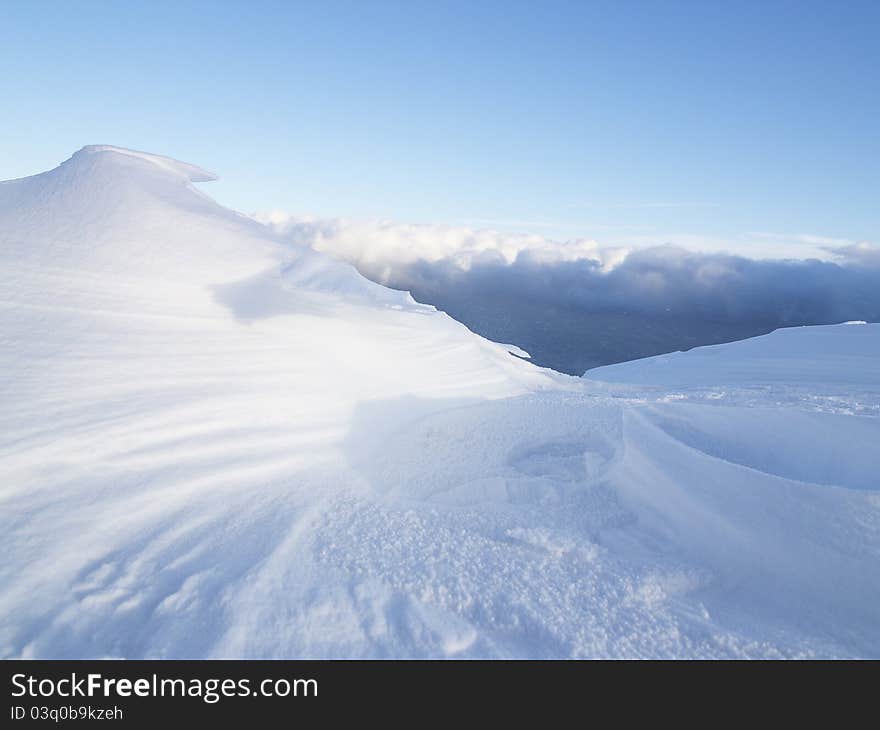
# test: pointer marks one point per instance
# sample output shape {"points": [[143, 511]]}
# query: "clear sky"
{"points": [[602, 119]]}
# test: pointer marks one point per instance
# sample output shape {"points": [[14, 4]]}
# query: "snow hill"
{"points": [[213, 443]]}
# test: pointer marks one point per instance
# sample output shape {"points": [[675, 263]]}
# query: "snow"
{"points": [[217, 444], [188, 172]]}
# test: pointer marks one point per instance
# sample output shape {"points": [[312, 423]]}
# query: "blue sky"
{"points": [[613, 120]]}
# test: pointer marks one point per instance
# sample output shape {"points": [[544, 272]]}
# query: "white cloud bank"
{"points": [[381, 247], [577, 304]]}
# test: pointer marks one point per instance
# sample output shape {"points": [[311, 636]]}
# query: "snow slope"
{"points": [[213, 443]]}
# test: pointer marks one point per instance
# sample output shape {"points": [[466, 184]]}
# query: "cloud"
{"points": [[861, 254], [577, 304], [668, 279], [381, 246]]}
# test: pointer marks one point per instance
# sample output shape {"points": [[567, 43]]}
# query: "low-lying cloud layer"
{"points": [[576, 305], [383, 246]]}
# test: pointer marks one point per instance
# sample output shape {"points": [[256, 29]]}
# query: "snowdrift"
{"points": [[215, 443]]}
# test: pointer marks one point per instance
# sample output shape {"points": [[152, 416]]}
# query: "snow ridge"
{"points": [[189, 172], [214, 443]]}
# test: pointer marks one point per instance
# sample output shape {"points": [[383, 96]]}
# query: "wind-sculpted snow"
{"points": [[213, 443]]}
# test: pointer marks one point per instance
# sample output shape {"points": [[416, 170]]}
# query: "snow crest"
{"points": [[214, 443], [190, 173]]}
